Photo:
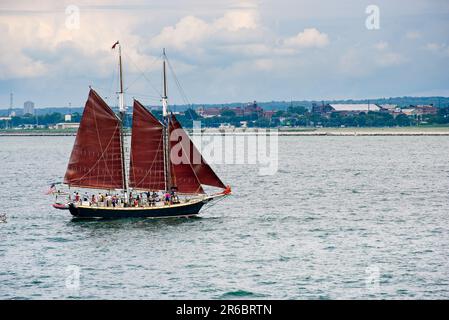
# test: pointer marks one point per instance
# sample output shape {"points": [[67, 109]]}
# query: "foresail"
{"points": [[184, 177], [96, 161], [147, 151], [191, 158], [202, 169]]}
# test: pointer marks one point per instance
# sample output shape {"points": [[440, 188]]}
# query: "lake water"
{"points": [[344, 217]]}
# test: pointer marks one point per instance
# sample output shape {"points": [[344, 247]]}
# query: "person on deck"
{"points": [[167, 198], [114, 200], [174, 197], [108, 200], [77, 197]]}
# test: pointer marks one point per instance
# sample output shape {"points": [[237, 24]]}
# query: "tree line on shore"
{"points": [[294, 116], [300, 116]]}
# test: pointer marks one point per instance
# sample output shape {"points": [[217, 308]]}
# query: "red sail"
{"points": [[96, 160], [191, 160], [183, 175], [146, 170]]}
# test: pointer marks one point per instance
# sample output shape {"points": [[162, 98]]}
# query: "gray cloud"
{"points": [[224, 51]]}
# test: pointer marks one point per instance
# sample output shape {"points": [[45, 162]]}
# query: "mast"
{"points": [[166, 133], [122, 109]]}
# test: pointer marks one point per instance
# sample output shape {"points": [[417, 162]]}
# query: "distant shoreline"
{"points": [[372, 131]]}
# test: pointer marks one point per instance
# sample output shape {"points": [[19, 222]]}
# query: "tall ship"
{"points": [[164, 176]]}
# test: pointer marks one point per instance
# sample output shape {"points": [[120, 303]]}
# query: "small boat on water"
{"points": [[61, 206], [162, 159]]}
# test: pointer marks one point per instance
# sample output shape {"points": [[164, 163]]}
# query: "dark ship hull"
{"points": [[176, 210]]}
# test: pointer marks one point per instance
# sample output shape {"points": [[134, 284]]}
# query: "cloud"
{"points": [[389, 59], [413, 35], [438, 48], [188, 31], [42, 45], [264, 64], [238, 49], [351, 63], [14, 63], [309, 38], [381, 45], [385, 57], [361, 62], [191, 30], [237, 20]]}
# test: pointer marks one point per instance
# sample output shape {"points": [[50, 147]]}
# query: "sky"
{"points": [[223, 51]]}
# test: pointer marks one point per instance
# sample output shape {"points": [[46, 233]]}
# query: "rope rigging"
{"points": [[142, 74]]}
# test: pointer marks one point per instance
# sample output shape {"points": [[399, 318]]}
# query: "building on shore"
{"points": [[200, 111], [209, 112], [410, 112], [388, 107], [391, 109], [250, 109], [28, 107], [321, 108], [354, 108], [416, 112], [426, 110], [419, 112], [253, 109], [269, 114], [66, 125]]}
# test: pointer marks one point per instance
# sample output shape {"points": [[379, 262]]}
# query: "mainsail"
{"points": [[190, 169], [96, 159], [147, 151]]}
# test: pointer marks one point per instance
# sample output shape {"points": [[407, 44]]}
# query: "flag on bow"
{"points": [[51, 190]]}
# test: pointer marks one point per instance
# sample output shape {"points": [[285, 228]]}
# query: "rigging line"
{"points": [[132, 83], [213, 203], [178, 84], [101, 88], [111, 90], [181, 90], [150, 101], [143, 74], [137, 94]]}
